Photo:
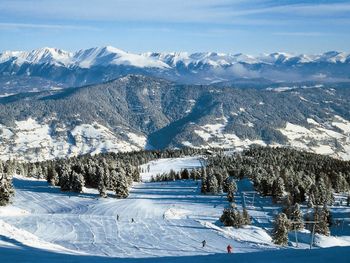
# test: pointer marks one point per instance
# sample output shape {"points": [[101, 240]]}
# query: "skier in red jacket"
{"points": [[229, 249]]}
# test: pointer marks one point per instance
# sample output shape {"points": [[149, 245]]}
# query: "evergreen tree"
{"points": [[185, 174], [122, 190], [204, 187], [52, 177], [102, 189], [213, 184], [232, 217], [278, 188], [6, 188], [280, 231], [297, 217], [65, 181], [231, 189], [321, 225], [246, 217], [77, 182]]}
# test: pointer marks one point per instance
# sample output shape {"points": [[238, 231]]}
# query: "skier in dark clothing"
{"points": [[132, 220], [229, 249], [117, 217], [204, 243]]}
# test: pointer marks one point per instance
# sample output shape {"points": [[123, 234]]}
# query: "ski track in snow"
{"points": [[171, 219], [88, 224]]}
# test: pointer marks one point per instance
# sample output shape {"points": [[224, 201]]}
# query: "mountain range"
{"points": [[137, 112], [51, 68]]}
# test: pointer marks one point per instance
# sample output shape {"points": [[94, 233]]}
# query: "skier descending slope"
{"points": [[204, 243], [229, 249]]}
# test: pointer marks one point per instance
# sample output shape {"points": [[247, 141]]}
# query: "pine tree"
{"points": [[297, 217], [102, 187], [185, 174], [52, 176], [204, 188], [77, 182], [231, 189], [320, 216], [172, 175], [232, 217], [65, 181], [280, 231], [6, 188], [246, 217], [122, 190], [213, 184], [278, 188]]}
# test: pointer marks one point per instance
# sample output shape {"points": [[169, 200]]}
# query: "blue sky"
{"points": [[247, 26]]}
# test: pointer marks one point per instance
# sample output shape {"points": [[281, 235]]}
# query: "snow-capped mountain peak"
{"points": [[110, 55]]}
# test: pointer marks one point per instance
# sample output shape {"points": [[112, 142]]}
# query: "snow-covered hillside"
{"points": [[33, 141], [171, 220]]}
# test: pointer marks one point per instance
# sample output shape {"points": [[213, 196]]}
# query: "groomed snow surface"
{"points": [[171, 220]]}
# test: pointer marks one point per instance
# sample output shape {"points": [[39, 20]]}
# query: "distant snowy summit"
{"points": [[48, 68], [104, 56]]}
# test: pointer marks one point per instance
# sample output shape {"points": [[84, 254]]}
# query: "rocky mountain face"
{"points": [[136, 112], [50, 68]]}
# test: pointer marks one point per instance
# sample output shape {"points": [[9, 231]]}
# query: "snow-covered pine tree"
{"points": [[320, 216], [77, 182], [280, 231], [287, 205], [204, 187], [278, 188], [246, 217], [213, 184], [297, 217], [220, 180], [122, 190], [231, 189], [52, 176], [232, 217], [172, 175], [65, 181], [102, 189], [6, 188]]}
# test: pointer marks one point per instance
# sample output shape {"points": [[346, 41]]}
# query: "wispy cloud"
{"points": [[301, 34], [44, 26], [170, 11]]}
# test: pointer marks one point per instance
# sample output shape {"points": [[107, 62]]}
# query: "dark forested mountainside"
{"points": [[164, 114]]}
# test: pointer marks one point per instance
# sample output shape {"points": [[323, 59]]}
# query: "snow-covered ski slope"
{"points": [[171, 220]]}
